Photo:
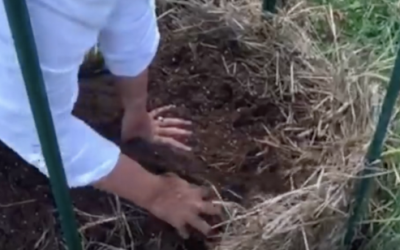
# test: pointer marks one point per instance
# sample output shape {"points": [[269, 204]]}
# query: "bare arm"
{"points": [[133, 91], [130, 181]]}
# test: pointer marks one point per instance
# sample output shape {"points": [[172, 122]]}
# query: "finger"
{"points": [[182, 231], [171, 132], [160, 110], [171, 122], [208, 208], [205, 192], [199, 224], [172, 142], [171, 175]]}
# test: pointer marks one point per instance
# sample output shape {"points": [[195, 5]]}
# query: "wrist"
{"points": [[131, 181], [136, 104]]}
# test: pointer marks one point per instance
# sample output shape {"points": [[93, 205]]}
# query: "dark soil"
{"points": [[227, 119]]}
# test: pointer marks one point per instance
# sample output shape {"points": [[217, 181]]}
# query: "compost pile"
{"points": [[279, 132]]}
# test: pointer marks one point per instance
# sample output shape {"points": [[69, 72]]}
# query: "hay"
{"points": [[326, 100]]}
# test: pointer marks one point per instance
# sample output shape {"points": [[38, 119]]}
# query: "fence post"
{"points": [[20, 25], [374, 152]]}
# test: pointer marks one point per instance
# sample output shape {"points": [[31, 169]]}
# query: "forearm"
{"points": [[133, 91], [130, 181]]}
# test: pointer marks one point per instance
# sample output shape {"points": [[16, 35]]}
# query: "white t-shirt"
{"points": [[65, 30]]}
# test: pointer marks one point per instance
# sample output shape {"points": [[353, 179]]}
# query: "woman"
{"points": [[128, 37]]}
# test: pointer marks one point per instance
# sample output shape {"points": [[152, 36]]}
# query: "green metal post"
{"points": [[19, 21], [269, 6], [374, 152]]}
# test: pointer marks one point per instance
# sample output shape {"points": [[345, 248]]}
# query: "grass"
{"points": [[374, 26], [372, 23]]}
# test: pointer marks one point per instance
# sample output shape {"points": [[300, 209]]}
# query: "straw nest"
{"points": [[325, 99]]}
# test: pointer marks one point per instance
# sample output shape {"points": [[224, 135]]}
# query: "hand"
{"points": [[167, 197], [180, 204], [155, 128]]}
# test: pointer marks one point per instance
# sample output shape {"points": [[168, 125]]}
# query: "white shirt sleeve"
{"points": [[62, 41], [87, 156]]}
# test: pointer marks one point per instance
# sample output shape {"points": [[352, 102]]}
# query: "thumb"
{"points": [[183, 232]]}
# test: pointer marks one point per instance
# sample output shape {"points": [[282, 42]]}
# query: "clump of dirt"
{"points": [[227, 117]]}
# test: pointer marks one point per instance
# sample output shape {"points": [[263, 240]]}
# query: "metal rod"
{"points": [[374, 152], [269, 6], [20, 25]]}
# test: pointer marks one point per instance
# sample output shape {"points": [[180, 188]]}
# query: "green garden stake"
{"points": [[19, 21], [374, 152], [269, 6]]}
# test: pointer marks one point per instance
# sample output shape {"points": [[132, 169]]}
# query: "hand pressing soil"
{"points": [[163, 160]]}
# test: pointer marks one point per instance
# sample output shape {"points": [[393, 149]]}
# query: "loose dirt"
{"points": [[227, 121]]}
